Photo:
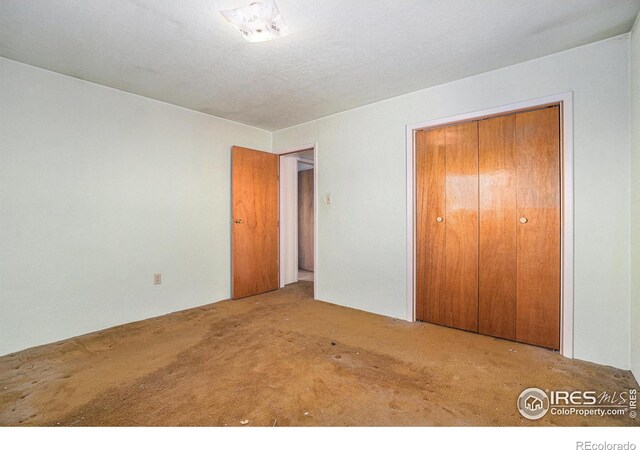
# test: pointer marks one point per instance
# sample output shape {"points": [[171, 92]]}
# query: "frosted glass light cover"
{"points": [[258, 22]]}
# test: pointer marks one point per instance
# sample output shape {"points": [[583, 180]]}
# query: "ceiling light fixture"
{"points": [[258, 22]]}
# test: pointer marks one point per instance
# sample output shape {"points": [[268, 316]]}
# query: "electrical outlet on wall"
{"points": [[328, 199], [157, 278]]}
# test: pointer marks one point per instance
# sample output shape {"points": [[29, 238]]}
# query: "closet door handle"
{"points": [[523, 220], [439, 219]]}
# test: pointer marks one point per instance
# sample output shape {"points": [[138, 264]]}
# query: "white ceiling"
{"points": [[342, 54]]}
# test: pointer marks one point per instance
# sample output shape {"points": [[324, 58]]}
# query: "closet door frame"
{"points": [[565, 103]]}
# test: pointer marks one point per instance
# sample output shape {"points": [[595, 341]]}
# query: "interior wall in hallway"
{"points": [[305, 220], [100, 190], [361, 156]]}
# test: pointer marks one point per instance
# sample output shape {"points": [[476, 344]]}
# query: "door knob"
{"points": [[523, 220], [439, 219], [238, 220]]}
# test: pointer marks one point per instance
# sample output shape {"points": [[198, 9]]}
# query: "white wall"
{"points": [[99, 190], [635, 200], [361, 162]]}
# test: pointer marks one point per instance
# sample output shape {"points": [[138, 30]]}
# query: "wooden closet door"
{"points": [[447, 226], [430, 234], [254, 232], [461, 226], [498, 225], [538, 227]]}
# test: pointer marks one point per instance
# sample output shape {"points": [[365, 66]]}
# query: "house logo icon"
{"points": [[533, 403]]}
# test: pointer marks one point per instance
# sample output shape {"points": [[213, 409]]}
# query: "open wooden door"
{"points": [[254, 227]]}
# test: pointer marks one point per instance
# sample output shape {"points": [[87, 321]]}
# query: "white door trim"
{"points": [[285, 214], [567, 235]]}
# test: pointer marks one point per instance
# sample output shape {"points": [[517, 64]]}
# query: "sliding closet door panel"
{"points": [[430, 234], [497, 260], [461, 224], [538, 235]]}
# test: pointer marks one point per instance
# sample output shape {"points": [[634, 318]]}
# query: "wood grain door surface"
{"points": [[538, 244], [254, 227], [488, 226], [430, 231], [461, 226], [498, 224], [447, 226]]}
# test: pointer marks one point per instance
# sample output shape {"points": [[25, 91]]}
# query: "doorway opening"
{"points": [[298, 216]]}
